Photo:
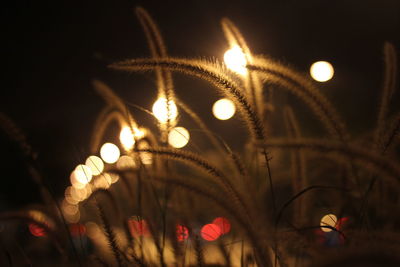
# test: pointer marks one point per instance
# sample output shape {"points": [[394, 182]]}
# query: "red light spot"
{"points": [[36, 230], [341, 222], [223, 224], [138, 228], [77, 229], [210, 232], [182, 233]]}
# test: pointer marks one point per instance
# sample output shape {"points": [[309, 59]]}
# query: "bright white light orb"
{"points": [[83, 174], [235, 60], [126, 138], [328, 220], [95, 164], [164, 112], [223, 109], [109, 153], [321, 71], [178, 137]]}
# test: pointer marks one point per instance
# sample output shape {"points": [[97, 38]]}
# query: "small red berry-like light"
{"points": [[36, 230], [210, 232], [223, 224], [182, 233]]}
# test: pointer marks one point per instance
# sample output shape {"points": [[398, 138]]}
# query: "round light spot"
{"points": [[210, 232], [328, 220], [95, 164], [126, 137], [182, 233], [321, 71], [83, 174], [109, 153], [178, 137], [164, 112], [223, 109], [235, 60]]}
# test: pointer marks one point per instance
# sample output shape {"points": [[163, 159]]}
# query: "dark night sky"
{"points": [[53, 50]]}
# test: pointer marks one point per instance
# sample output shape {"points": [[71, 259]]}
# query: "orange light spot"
{"points": [[210, 232]]}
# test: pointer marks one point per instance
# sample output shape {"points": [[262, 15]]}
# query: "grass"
{"points": [[274, 191]]}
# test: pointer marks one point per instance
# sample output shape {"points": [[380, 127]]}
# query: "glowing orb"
{"points": [[321, 71], [164, 112], [127, 139], [74, 181], [95, 164], [210, 232], [223, 109], [328, 220], [36, 230], [223, 224], [126, 163], [182, 233], [178, 137], [109, 153], [235, 60], [145, 157], [83, 174]]}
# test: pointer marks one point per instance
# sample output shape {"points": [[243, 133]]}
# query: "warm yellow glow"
{"points": [[127, 139], [103, 181], [125, 163], [178, 137], [74, 181], [79, 194], [321, 71], [69, 197], [69, 209], [162, 112], [235, 60], [109, 153], [95, 164], [328, 220], [145, 157], [83, 174], [223, 109], [139, 133], [73, 218]]}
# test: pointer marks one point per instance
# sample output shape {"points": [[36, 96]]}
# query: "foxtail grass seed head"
{"points": [[321, 71]]}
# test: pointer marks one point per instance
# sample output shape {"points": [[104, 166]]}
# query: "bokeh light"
{"points": [[235, 60], [164, 112], [102, 181], [95, 164], [328, 220], [182, 233], [74, 181], [178, 137], [109, 153], [321, 71], [83, 174], [210, 232], [127, 139], [125, 163], [223, 224], [223, 109], [36, 230]]}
